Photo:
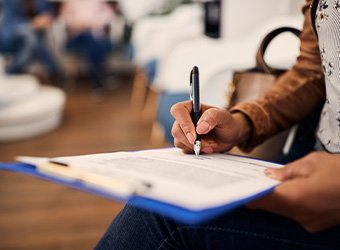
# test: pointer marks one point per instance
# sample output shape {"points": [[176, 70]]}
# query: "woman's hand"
{"points": [[220, 130], [310, 192]]}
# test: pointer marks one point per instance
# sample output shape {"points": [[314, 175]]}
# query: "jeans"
{"points": [[95, 50], [26, 44], [135, 228]]}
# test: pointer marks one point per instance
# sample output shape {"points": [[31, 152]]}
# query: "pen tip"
{"points": [[197, 148]]}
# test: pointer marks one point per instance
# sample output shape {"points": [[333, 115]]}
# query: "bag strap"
{"points": [[260, 62], [314, 6]]}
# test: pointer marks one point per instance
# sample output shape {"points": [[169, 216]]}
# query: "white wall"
{"points": [[240, 17], [295, 6]]}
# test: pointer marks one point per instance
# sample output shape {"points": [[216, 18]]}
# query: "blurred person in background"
{"points": [[23, 35], [88, 23]]}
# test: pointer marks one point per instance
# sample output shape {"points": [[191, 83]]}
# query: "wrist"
{"points": [[245, 127]]}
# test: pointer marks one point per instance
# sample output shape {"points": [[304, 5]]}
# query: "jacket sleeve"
{"points": [[294, 95]]}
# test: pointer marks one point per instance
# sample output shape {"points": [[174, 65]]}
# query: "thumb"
{"points": [[296, 169], [211, 118]]}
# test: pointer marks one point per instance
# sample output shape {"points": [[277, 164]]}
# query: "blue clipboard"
{"points": [[171, 211]]}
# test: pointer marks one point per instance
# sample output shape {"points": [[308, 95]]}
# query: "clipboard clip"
{"points": [[120, 185]]}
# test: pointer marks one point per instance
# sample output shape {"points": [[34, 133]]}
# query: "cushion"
{"points": [[34, 115], [16, 88]]}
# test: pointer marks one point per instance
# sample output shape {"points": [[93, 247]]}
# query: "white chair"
{"points": [[134, 10], [154, 38], [225, 55]]}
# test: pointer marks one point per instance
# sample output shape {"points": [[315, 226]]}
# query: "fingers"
{"points": [[297, 169], [185, 148], [210, 119], [183, 125], [288, 199], [184, 131], [181, 140], [280, 200]]}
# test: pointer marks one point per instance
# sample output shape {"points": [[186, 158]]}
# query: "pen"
{"points": [[196, 106]]}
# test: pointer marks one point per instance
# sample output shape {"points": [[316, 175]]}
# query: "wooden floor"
{"points": [[36, 214]]}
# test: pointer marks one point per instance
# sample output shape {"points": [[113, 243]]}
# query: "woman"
{"points": [[307, 201]]}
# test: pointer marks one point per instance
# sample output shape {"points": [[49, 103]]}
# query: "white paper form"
{"points": [[181, 179]]}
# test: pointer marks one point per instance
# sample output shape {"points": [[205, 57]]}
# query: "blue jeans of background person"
{"points": [[242, 229], [26, 44], [95, 50]]}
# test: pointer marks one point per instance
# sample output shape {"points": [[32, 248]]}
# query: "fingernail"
{"points": [[191, 138], [270, 172], [203, 127]]}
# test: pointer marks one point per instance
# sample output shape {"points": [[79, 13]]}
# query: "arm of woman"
{"points": [[296, 94]]}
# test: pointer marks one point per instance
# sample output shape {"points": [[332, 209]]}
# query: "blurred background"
{"points": [[91, 76]]}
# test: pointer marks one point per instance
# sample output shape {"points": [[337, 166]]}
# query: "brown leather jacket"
{"points": [[296, 94]]}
